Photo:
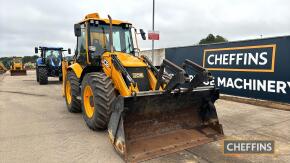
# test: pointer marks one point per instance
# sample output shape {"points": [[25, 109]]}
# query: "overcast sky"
{"points": [[29, 23]]}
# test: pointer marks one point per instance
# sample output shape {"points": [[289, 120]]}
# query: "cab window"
{"points": [[81, 46]]}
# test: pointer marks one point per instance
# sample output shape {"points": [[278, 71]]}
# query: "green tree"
{"points": [[7, 60], [31, 59], [212, 39]]}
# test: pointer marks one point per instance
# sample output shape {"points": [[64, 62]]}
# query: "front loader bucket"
{"points": [[18, 72], [158, 123], [2, 71]]}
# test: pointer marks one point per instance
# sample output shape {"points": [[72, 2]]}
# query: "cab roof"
{"points": [[50, 48], [96, 16]]}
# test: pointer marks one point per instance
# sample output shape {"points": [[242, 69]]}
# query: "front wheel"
{"points": [[37, 76], [98, 94], [42, 75], [72, 91], [60, 78]]}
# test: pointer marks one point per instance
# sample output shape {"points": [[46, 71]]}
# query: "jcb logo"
{"points": [[106, 63], [138, 75]]}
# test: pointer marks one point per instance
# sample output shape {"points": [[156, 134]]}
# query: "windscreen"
{"points": [[54, 57], [52, 54], [122, 39], [17, 60]]}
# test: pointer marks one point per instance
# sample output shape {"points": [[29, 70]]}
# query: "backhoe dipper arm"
{"points": [[177, 79], [202, 74]]}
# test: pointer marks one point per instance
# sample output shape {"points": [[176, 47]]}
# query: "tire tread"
{"points": [[75, 106], [104, 95], [42, 75]]}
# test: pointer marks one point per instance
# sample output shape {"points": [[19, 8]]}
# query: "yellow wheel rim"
{"points": [[89, 101], [68, 92]]}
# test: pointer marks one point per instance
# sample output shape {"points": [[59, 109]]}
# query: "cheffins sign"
{"points": [[260, 58], [252, 68]]}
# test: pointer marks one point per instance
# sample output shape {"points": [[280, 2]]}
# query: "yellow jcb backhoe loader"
{"points": [[3, 69], [146, 113], [17, 67]]}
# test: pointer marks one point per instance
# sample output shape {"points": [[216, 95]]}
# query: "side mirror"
{"points": [[36, 50], [143, 34], [77, 28], [69, 51]]}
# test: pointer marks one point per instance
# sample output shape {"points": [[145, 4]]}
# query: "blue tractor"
{"points": [[49, 64]]}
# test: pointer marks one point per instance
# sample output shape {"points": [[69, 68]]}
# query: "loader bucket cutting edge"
{"points": [[149, 126], [18, 72]]}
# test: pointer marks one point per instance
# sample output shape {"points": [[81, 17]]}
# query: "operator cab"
{"points": [[17, 60], [99, 38], [97, 32]]}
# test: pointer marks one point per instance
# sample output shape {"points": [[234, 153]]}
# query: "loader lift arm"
{"points": [[202, 74], [180, 76], [121, 68], [151, 66]]}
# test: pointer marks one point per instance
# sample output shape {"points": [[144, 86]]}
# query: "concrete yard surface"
{"points": [[35, 126]]}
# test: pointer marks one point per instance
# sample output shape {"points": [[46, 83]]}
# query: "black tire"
{"points": [[60, 78], [37, 76], [103, 97], [75, 105], [42, 75]]}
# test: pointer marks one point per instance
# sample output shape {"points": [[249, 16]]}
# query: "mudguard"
{"points": [[39, 62], [77, 68]]}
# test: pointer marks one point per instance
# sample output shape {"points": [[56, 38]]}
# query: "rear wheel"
{"points": [[37, 76], [60, 78], [72, 91], [98, 94], [42, 75]]}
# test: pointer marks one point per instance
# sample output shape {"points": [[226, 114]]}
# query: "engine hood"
{"points": [[128, 60]]}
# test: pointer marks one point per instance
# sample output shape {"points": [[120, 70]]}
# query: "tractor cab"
{"points": [[16, 61], [50, 56], [49, 64]]}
